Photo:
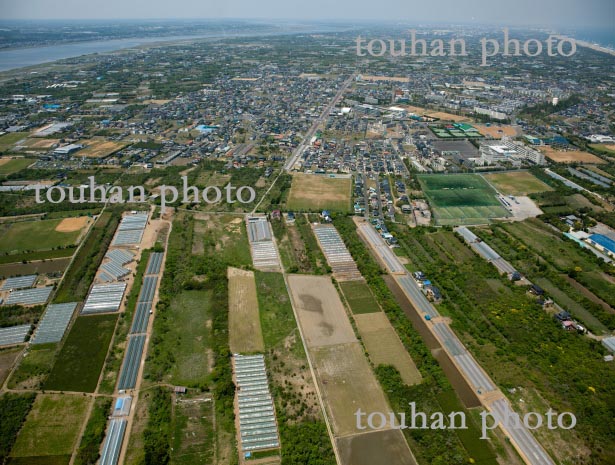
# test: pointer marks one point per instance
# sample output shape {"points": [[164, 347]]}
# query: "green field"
{"points": [[93, 435], [276, 313], [194, 435], [359, 297], [188, 338], [34, 235], [14, 165], [222, 234], [42, 460], [461, 199], [79, 276], [52, 426], [312, 192], [517, 183], [40, 255], [8, 140], [33, 369], [469, 437], [80, 361]]}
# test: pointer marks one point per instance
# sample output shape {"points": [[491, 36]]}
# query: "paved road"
{"points": [[528, 447], [290, 163]]}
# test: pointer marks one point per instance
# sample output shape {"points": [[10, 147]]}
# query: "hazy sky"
{"points": [[570, 13]]}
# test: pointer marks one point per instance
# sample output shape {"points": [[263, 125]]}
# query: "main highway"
{"points": [[490, 396]]}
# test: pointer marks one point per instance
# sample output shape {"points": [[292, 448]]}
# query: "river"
{"points": [[19, 58]]}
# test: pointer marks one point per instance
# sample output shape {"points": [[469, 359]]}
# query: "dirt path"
{"points": [[82, 430], [148, 336]]}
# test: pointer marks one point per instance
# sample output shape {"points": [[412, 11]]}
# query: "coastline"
{"points": [[586, 44]]}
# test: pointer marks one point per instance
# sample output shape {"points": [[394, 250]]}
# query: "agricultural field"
{"points": [[222, 234], [38, 267], [7, 359], [384, 346], [286, 358], [52, 428], [13, 165], [193, 425], [37, 145], [312, 192], [302, 429], [347, 383], [376, 448], [245, 335], [99, 148], [571, 156], [41, 234], [188, 339], [34, 367], [79, 276], [461, 199], [343, 372], [564, 258], [606, 147], [359, 297], [81, 359], [486, 317], [321, 313], [135, 452], [7, 141], [517, 183]]}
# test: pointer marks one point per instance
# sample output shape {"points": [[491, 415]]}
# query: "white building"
{"points": [[491, 113], [506, 150]]}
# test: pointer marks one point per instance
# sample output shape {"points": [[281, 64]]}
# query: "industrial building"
{"points": [[602, 243]]}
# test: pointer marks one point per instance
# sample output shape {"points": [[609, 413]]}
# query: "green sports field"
{"points": [[461, 199]]}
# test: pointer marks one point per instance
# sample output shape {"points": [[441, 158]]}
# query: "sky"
{"points": [[576, 14]]}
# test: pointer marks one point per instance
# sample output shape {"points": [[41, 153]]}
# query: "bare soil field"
{"points": [[321, 313], [384, 78], [347, 383], [7, 358], [571, 156], [245, 335], [57, 265], [314, 192], [497, 131], [72, 224], [434, 114], [40, 144], [100, 148], [376, 448], [384, 346]]}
